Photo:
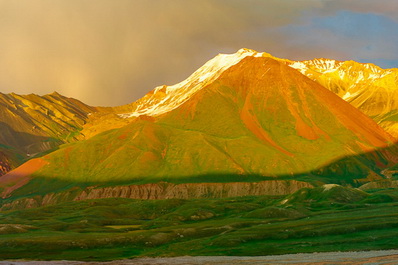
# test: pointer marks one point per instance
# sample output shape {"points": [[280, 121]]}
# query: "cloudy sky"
{"points": [[111, 52]]}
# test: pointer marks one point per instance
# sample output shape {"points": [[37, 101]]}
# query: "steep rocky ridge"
{"points": [[369, 88]]}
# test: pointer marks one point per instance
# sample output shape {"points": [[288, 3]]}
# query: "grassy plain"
{"points": [[329, 218]]}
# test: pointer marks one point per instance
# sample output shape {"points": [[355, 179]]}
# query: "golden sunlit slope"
{"points": [[367, 87], [162, 99], [102, 120], [258, 117], [32, 124]]}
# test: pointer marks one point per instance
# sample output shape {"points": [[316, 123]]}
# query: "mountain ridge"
{"points": [[259, 116], [254, 114], [32, 124], [367, 87], [360, 84]]}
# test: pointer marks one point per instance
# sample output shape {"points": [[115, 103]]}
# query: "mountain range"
{"points": [[243, 124]]}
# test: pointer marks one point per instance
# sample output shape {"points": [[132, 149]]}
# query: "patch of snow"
{"points": [[327, 187], [330, 64], [349, 95], [371, 67], [325, 65], [319, 65], [166, 98], [360, 77], [329, 71], [204, 77], [302, 67], [346, 96], [386, 73], [341, 74]]}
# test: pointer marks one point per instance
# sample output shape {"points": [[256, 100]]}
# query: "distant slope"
{"points": [[32, 124]]}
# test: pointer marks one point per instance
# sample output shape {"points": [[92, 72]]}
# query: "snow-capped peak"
{"points": [[356, 72], [320, 65], [163, 99], [166, 98]]}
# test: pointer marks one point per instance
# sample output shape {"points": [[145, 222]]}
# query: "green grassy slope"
{"points": [[311, 220]]}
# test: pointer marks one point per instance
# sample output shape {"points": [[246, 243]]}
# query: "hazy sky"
{"points": [[111, 52]]}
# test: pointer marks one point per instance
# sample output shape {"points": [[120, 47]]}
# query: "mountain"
{"points": [[33, 124], [241, 118], [366, 86]]}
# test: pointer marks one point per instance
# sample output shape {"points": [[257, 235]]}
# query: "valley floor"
{"points": [[324, 219], [335, 258]]}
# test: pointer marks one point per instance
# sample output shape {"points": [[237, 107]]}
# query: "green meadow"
{"points": [[329, 218]]}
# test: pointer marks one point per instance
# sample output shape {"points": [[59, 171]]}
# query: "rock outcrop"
{"points": [[164, 190]]}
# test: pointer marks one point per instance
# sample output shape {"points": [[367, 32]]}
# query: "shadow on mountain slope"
{"points": [[351, 171]]}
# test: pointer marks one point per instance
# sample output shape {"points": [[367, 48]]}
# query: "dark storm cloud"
{"points": [[108, 52]]}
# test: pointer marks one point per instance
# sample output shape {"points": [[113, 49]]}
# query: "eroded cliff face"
{"points": [[164, 190]]}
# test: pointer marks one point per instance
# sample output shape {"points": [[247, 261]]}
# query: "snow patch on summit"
{"points": [[327, 187], [163, 99], [365, 72], [320, 65], [302, 67], [166, 98]]}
